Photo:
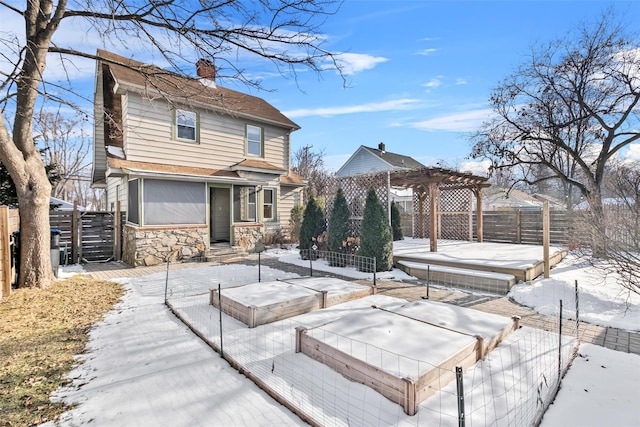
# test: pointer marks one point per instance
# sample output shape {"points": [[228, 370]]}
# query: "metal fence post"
{"points": [[460, 391], [374, 272], [560, 342], [577, 314], [166, 283], [428, 279], [259, 267], [220, 312]]}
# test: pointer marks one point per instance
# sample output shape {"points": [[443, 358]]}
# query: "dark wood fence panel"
{"points": [[95, 231], [97, 236]]}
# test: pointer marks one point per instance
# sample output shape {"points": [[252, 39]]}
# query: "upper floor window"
{"points": [[186, 125], [268, 211], [254, 140]]}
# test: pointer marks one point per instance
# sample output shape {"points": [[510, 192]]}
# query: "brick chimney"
{"points": [[205, 69], [381, 147]]}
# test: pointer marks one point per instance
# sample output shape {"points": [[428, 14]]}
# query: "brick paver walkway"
{"points": [[612, 338]]}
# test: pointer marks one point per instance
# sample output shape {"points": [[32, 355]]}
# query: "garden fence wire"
{"points": [[511, 386]]}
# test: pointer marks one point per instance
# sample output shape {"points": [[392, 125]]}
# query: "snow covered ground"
{"points": [[144, 367]]}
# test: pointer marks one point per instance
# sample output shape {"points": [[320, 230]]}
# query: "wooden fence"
{"points": [[89, 236], [525, 227], [9, 222], [85, 237]]}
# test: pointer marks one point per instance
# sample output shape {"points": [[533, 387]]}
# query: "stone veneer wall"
{"points": [[151, 246], [249, 237]]}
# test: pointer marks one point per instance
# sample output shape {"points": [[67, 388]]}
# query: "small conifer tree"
{"points": [[313, 225], [375, 234], [338, 230], [396, 222], [295, 221]]}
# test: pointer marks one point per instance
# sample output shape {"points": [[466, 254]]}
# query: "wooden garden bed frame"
{"points": [[253, 315], [405, 391]]}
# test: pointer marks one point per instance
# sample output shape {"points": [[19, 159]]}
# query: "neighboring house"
{"points": [[191, 163], [371, 160], [63, 205], [498, 198]]}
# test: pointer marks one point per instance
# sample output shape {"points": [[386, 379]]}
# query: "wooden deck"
{"points": [[523, 262]]}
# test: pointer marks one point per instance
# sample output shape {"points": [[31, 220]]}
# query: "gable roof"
{"points": [[150, 79], [395, 160], [388, 160]]}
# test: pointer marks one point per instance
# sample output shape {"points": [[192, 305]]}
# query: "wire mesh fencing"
{"points": [[334, 367]]}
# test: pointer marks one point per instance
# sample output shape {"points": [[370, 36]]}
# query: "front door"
{"points": [[220, 227]]}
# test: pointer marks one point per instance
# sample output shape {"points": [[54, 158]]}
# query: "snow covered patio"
{"points": [[492, 267]]}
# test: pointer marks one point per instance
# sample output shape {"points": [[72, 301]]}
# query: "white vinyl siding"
{"points": [[362, 163], [222, 138], [288, 198], [116, 190]]}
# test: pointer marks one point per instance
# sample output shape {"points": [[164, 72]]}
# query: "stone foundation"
{"points": [[151, 246], [249, 237]]}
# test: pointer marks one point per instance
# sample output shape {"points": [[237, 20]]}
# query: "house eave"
{"points": [[139, 173]]}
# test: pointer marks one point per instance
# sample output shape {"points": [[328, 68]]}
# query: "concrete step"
{"points": [[498, 283], [224, 253]]}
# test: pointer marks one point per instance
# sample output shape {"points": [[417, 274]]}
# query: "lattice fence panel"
{"points": [[421, 209], [455, 215], [355, 190]]}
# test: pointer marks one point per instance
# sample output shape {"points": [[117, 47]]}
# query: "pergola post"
{"points": [[479, 229], [433, 223], [421, 199]]}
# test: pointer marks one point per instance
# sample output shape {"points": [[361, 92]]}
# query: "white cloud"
{"points": [[434, 82], [426, 52], [476, 167], [461, 81], [458, 122], [353, 63], [633, 154], [396, 104]]}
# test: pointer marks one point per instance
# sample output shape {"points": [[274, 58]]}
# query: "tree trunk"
{"points": [[598, 226], [35, 234]]}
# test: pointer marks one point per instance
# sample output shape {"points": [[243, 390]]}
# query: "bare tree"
{"points": [[570, 108], [65, 144], [309, 164], [284, 32], [623, 232]]}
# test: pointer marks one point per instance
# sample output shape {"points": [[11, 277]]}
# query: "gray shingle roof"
{"points": [[395, 160]]}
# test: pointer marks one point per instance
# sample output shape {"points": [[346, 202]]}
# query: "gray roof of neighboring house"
{"points": [[395, 160]]}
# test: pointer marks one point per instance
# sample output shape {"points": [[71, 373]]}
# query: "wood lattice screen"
{"points": [[455, 210], [355, 190], [455, 213]]}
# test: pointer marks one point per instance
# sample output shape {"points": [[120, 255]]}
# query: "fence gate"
{"points": [[97, 236]]}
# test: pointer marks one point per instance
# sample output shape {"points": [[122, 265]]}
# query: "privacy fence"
{"points": [[86, 236], [9, 223], [511, 385]]}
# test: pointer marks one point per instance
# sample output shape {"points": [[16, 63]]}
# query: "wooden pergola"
{"points": [[430, 183]]}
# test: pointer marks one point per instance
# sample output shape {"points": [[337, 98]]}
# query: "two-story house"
{"points": [[193, 164]]}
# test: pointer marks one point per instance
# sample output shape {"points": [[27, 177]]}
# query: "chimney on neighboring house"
{"points": [[381, 147], [205, 69]]}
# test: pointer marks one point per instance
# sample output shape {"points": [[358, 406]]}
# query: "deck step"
{"points": [[477, 280]]}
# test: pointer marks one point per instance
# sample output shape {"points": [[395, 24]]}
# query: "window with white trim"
{"points": [[186, 125], [254, 140], [268, 203], [244, 203]]}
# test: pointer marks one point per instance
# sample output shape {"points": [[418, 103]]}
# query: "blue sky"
{"points": [[419, 73], [426, 71]]}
